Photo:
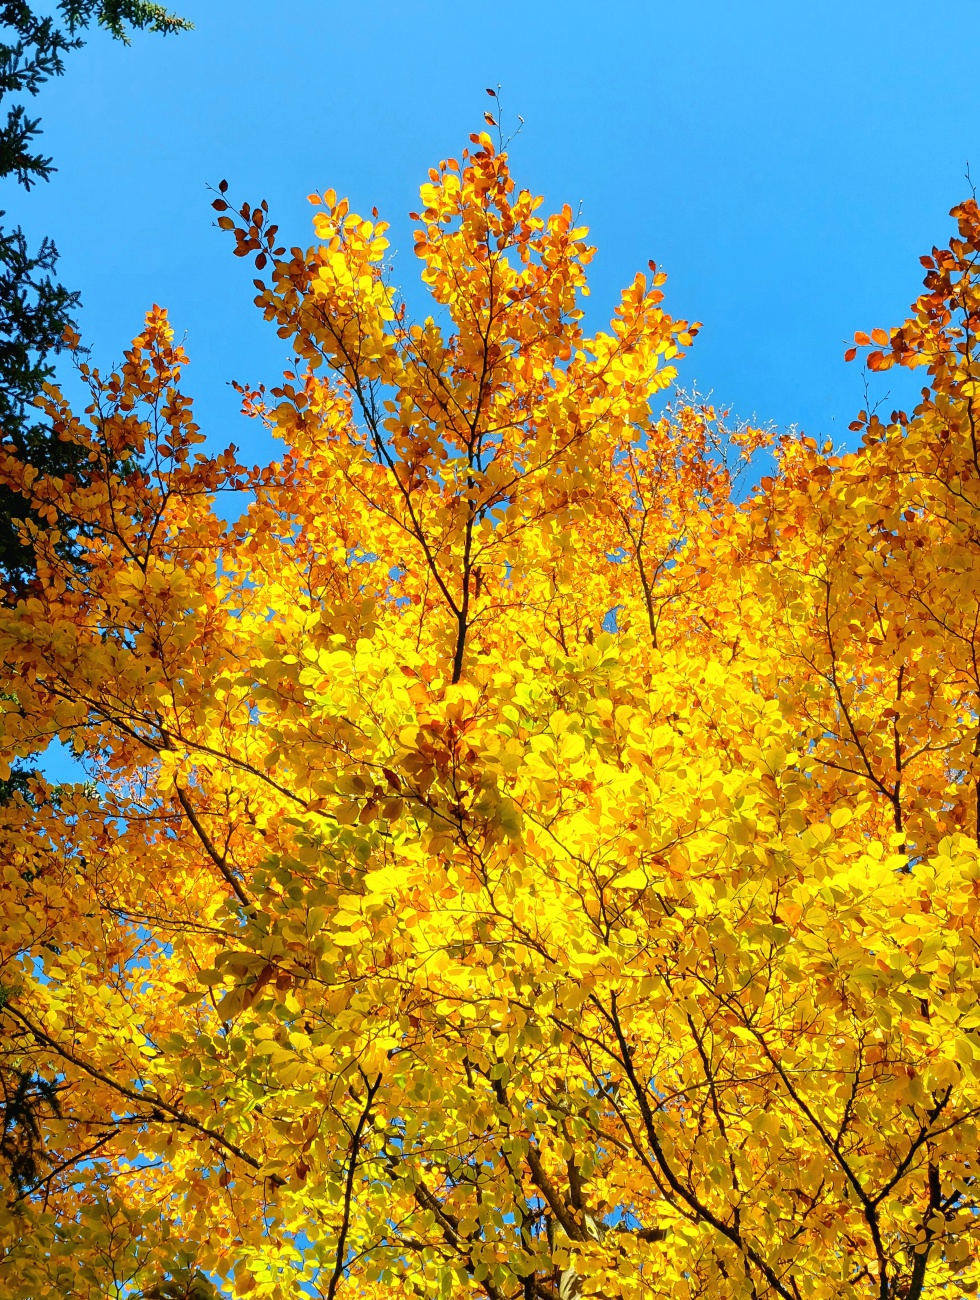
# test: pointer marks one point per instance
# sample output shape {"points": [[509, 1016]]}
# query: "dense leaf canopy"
{"points": [[519, 862]]}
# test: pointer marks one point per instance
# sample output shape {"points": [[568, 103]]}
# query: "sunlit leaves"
{"points": [[517, 864]]}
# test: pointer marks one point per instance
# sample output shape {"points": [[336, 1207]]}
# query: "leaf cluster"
{"points": [[517, 863]]}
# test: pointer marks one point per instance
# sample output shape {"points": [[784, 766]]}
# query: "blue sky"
{"points": [[785, 163]]}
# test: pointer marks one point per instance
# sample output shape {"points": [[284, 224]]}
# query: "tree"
{"points": [[35, 311], [518, 866]]}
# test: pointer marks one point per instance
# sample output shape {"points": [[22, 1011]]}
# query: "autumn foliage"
{"points": [[519, 861]]}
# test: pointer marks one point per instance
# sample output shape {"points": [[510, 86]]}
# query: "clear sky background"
{"points": [[785, 163]]}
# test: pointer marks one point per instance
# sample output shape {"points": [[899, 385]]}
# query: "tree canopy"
{"points": [[519, 860]]}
